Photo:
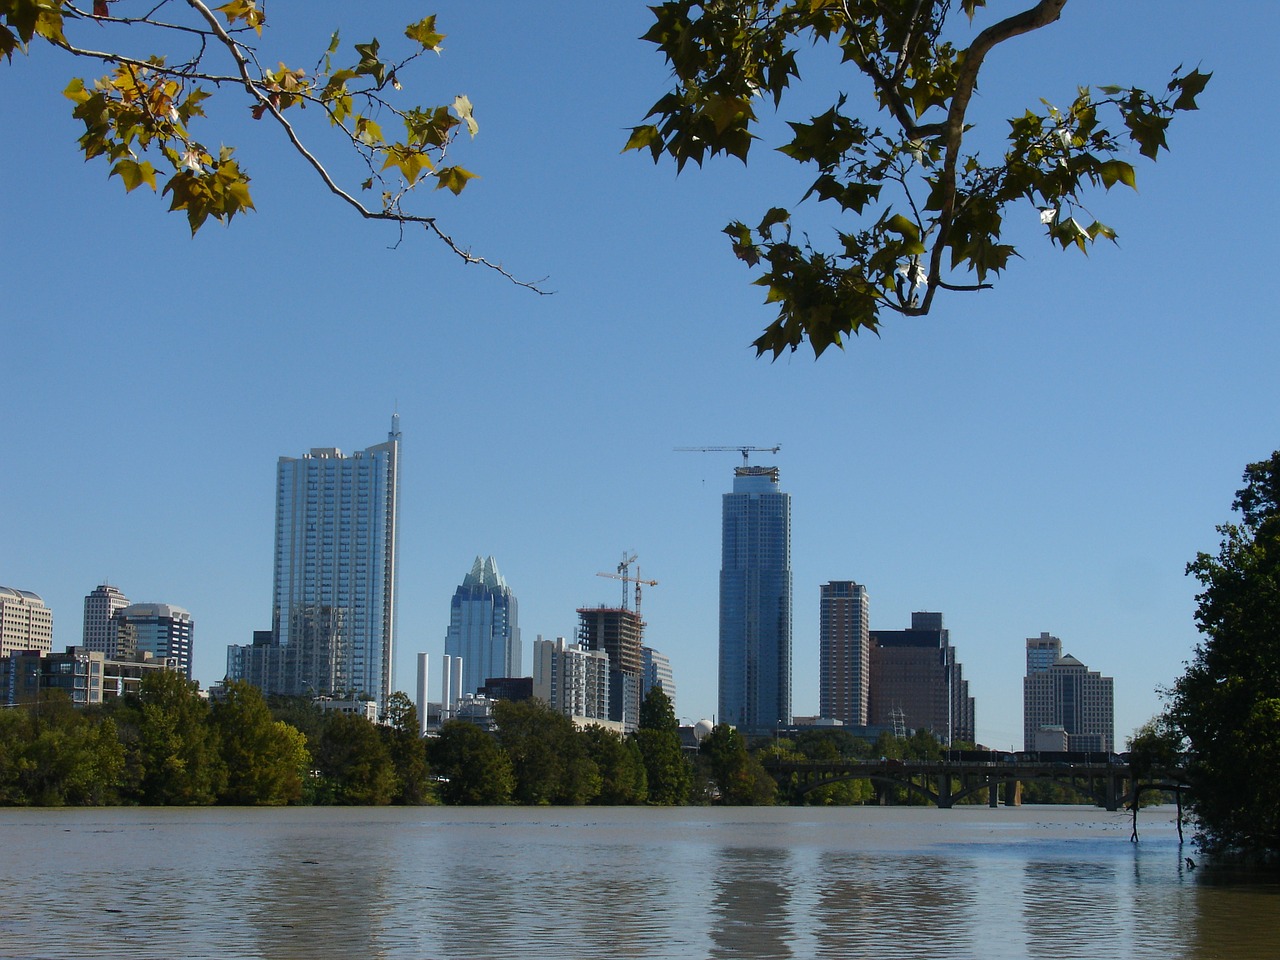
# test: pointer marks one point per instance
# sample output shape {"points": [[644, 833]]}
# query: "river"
{"points": [[695, 882]]}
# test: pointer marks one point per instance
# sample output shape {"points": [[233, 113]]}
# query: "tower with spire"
{"points": [[484, 627]]}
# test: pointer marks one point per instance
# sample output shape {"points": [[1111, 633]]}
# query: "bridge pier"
{"points": [[1113, 792], [944, 792]]}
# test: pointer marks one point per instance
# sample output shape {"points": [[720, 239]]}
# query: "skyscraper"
{"points": [[1065, 699], [655, 671], [160, 629], [619, 634], [25, 622], [844, 669], [100, 609], [484, 627], [755, 602], [917, 683], [334, 597]]}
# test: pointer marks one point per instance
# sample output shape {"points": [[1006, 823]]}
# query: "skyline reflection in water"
{"points": [[481, 883]]}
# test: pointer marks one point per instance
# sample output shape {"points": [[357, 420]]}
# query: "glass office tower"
{"points": [[755, 603], [484, 627], [337, 522]]}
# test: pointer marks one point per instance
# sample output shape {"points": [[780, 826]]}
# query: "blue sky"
{"points": [[1044, 456]]}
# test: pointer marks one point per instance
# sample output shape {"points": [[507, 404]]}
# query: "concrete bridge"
{"points": [[1110, 783]]}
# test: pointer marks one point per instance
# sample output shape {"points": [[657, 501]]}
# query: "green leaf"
{"points": [[903, 227], [410, 162], [454, 178], [1188, 87], [643, 136], [1117, 171], [775, 216], [134, 174], [424, 32]]}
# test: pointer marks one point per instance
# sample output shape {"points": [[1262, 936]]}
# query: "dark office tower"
{"points": [[844, 669], [917, 683], [620, 634], [484, 627], [755, 602]]}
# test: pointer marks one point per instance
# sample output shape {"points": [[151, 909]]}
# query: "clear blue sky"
{"points": [[1044, 456]]}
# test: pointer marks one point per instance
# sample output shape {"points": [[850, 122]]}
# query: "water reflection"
{"points": [[750, 908], [880, 906], [471, 885]]}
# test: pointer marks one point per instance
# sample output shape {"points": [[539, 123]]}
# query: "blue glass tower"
{"points": [[755, 602], [334, 601], [484, 627]]}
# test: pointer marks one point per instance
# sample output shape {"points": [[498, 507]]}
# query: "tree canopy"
{"points": [[923, 191], [1227, 703], [146, 117]]}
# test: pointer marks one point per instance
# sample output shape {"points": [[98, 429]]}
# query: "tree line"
{"points": [[168, 745]]}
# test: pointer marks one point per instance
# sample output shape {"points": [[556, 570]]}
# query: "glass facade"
{"points": [[484, 627], [337, 522], [755, 602]]}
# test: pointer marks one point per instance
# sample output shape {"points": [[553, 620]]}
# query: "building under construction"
{"points": [[619, 632]]}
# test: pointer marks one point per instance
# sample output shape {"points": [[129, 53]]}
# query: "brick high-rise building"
{"points": [[844, 652]]}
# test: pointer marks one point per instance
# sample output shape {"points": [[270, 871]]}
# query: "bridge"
{"points": [[1108, 779]]}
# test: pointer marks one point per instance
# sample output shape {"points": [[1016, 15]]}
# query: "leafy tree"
{"points": [[621, 766], [408, 751], [266, 759], [924, 209], [142, 116], [473, 768], [352, 762], [667, 771], [1154, 749], [740, 778], [171, 748], [548, 755], [59, 755], [1227, 703]]}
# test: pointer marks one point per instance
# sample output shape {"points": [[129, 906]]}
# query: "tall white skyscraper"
{"points": [[334, 599], [100, 609], [484, 627], [755, 602]]}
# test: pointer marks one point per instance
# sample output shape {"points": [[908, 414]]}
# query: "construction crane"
{"points": [[745, 450], [624, 574]]}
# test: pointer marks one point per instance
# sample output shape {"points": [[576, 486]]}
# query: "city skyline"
{"points": [[1046, 455]]}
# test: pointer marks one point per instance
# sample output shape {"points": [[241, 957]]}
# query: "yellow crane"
{"points": [[624, 574], [745, 449]]}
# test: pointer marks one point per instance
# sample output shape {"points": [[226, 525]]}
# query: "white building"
{"points": [[100, 609], [656, 672], [25, 622], [1065, 697], [572, 680]]}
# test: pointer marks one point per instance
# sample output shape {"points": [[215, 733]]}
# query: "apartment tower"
{"points": [[844, 651], [334, 596]]}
